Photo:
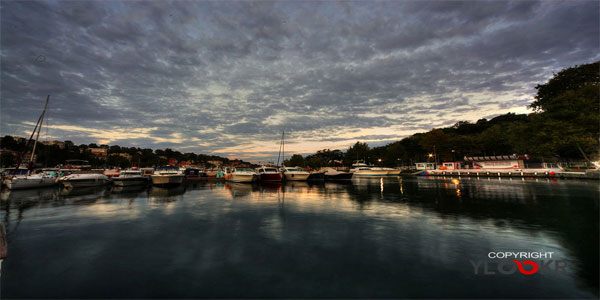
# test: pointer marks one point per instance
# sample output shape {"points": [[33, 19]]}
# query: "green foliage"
{"points": [[7, 159], [567, 118], [358, 151], [548, 96], [295, 160]]}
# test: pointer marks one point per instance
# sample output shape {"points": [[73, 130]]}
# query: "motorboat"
{"points": [[268, 174], [333, 174], [194, 174], [129, 178], [242, 175], [83, 180], [392, 171], [360, 168], [294, 174], [316, 176], [167, 176]]}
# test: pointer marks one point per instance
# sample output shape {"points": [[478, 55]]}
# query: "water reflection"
{"points": [[368, 238]]}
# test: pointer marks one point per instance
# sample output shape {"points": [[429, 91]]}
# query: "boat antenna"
{"points": [[38, 124]]}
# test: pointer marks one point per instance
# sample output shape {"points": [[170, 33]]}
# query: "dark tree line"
{"points": [[53, 155]]}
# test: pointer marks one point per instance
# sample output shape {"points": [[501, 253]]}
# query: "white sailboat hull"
{"points": [[29, 182]]}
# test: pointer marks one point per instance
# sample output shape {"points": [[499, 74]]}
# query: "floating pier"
{"points": [[512, 173]]}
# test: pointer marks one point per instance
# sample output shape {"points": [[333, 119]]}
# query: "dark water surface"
{"points": [[372, 238]]}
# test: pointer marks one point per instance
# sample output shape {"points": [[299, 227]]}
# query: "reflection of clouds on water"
{"points": [[415, 226]]}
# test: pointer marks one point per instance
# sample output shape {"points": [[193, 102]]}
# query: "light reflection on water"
{"points": [[369, 238]]}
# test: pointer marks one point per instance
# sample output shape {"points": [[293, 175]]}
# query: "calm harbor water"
{"points": [[371, 238]]}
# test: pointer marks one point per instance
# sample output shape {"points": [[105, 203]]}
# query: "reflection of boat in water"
{"points": [[83, 195], [28, 197], [127, 189], [240, 189], [270, 186], [161, 192]]}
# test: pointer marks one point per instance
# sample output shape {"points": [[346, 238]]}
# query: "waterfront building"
{"points": [[514, 161]]}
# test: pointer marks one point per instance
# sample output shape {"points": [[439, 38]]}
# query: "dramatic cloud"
{"points": [[228, 77]]}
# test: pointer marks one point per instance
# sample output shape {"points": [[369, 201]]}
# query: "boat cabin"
{"points": [[147, 171], [451, 165], [425, 166], [513, 161]]}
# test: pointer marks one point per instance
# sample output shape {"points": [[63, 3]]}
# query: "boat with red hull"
{"points": [[268, 174]]}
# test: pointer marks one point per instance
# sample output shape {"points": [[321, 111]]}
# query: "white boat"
{"points": [[392, 171], [167, 176], [268, 174], [294, 174], [333, 174], [242, 175], [129, 178], [360, 168], [83, 180], [30, 181]]}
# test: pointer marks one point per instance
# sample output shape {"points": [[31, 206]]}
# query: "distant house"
{"points": [[98, 152], [60, 144], [126, 155], [215, 163]]}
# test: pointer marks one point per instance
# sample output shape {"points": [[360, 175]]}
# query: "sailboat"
{"points": [[30, 180], [290, 173]]}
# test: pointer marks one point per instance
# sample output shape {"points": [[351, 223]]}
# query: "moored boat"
{"points": [[333, 174], [130, 178], [167, 176], [242, 175], [194, 174], [362, 169], [294, 174], [30, 181], [83, 180], [268, 174], [316, 176]]}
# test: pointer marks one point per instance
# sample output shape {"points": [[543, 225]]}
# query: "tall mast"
{"points": [[280, 148], [30, 138], [39, 129]]}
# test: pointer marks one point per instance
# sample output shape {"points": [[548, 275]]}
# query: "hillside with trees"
{"points": [[564, 126], [116, 156]]}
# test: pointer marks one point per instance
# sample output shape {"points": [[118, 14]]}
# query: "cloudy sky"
{"points": [[228, 77]]}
